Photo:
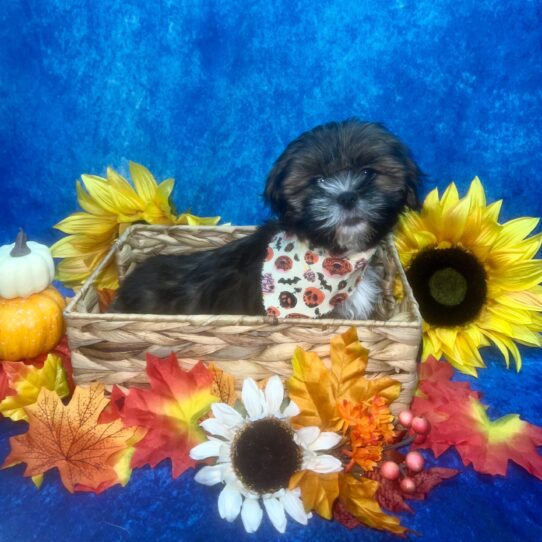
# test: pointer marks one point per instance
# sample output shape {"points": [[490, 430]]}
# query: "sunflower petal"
{"points": [[87, 203], [124, 196], [431, 203], [87, 224], [192, 220], [529, 299], [520, 276], [449, 198], [100, 191], [144, 181], [476, 193], [525, 336], [516, 230]]}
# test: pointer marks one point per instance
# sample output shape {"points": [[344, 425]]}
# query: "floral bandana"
{"points": [[302, 281]]}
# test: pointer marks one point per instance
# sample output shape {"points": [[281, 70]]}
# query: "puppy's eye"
{"points": [[368, 173], [319, 180]]}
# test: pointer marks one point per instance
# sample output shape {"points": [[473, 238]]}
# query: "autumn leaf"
{"points": [[106, 296], [393, 498], [344, 517], [122, 468], [317, 390], [348, 363], [223, 385], [170, 410], [318, 491], [5, 390], [436, 381], [495, 442], [62, 349], [311, 388], [358, 497], [113, 411], [26, 381], [458, 419], [70, 439]]}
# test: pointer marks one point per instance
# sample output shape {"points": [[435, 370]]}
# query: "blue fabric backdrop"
{"points": [[210, 92]]}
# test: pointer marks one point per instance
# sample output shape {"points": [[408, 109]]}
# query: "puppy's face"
{"points": [[343, 185]]}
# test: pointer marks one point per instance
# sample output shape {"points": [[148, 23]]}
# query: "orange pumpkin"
{"points": [[31, 326]]}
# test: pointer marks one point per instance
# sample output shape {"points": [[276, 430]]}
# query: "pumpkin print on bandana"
{"points": [[302, 281]]}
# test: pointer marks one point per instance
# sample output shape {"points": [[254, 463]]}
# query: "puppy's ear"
{"points": [[274, 191], [414, 176]]}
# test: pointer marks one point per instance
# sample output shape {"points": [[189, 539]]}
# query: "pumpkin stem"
{"points": [[20, 248]]}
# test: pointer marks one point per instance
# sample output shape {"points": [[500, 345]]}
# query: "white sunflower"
{"points": [[256, 456]]}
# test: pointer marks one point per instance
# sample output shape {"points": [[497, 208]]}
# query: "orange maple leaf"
{"points": [[223, 385], [70, 439]]}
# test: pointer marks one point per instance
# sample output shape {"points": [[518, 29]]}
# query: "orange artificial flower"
{"points": [[369, 426]]}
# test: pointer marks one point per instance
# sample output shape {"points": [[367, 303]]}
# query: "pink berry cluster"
{"points": [[414, 462]]}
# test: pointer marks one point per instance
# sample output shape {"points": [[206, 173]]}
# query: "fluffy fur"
{"points": [[341, 186]]}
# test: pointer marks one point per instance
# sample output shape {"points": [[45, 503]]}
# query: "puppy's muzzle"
{"points": [[348, 200]]}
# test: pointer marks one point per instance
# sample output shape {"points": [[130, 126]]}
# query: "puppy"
{"points": [[337, 191]]}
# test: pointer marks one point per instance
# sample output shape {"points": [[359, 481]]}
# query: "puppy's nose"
{"points": [[348, 199]]}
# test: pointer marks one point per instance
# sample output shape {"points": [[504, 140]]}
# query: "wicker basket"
{"points": [[111, 347]]}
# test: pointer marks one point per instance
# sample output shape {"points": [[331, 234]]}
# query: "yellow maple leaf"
{"points": [[348, 363], [318, 491], [27, 381], [86, 453], [312, 390], [317, 390], [359, 498]]}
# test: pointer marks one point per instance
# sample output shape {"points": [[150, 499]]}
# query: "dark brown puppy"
{"points": [[340, 186]]}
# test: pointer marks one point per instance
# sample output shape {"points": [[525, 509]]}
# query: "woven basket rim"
{"points": [[227, 319]]}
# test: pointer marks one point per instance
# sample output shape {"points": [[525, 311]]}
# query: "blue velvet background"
{"points": [[210, 92]]}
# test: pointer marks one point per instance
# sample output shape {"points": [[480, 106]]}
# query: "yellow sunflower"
{"points": [[475, 279], [110, 205]]}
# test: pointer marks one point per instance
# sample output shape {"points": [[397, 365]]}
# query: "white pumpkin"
{"points": [[25, 268]]}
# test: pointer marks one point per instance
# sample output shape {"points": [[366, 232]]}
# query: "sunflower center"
{"points": [[449, 285], [264, 455]]}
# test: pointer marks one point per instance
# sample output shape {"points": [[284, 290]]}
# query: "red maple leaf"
{"points": [[170, 410], [459, 419], [343, 516], [5, 390], [113, 411]]}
